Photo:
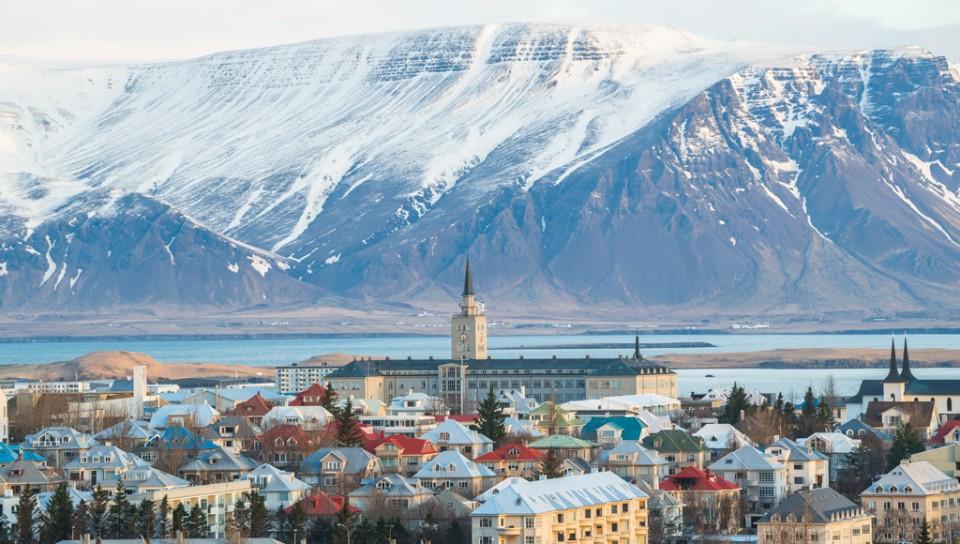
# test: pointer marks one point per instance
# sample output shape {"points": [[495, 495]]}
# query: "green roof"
{"points": [[561, 441], [674, 441]]}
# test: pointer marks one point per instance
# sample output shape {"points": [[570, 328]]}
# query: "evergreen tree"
{"points": [[259, 516], [809, 422], [146, 520], [321, 530], [121, 521], [58, 519], [924, 537], [906, 441], [490, 422], [241, 516], [349, 433], [737, 405], [97, 513], [329, 400], [26, 530], [163, 518], [551, 465], [400, 532], [196, 524], [430, 530], [825, 414], [179, 522], [298, 523], [455, 534], [79, 524], [364, 531], [779, 404], [281, 525], [344, 517]]}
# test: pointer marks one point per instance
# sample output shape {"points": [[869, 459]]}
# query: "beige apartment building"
{"points": [[908, 494], [815, 516], [215, 500], [595, 508]]}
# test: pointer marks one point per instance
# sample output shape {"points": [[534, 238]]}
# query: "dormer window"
{"points": [[444, 437]]}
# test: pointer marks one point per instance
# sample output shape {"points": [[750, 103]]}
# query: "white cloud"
{"points": [[124, 29]]}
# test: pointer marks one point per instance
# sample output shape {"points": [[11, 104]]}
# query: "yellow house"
{"points": [[595, 508], [946, 458], [909, 494], [215, 500], [814, 516]]}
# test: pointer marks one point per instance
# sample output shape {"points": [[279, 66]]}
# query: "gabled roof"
{"points": [[299, 414], [723, 436], [561, 441], [145, 478], [285, 431], [745, 458], [9, 454], [856, 428], [321, 503], [310, 396], [269, 479], [62, 437], [134, 429], [694, 479], [391, 485], [76, 496], [794, 452], [452, 464], [355, 460], [409, 446], [674, 441], [511, 452], [814, 506], [516, 427], [255, 406], [219, 460], [632, 452], [541, 496], [179, 438], [244, 429], [631, 427], [921, 413], [913, 478], [838, 442], [202, 414], [456, 433], [946, 429], [28, 472], [624, 366], [107, 456]]}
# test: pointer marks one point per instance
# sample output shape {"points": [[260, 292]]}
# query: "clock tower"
{"points": [[469, 335]]}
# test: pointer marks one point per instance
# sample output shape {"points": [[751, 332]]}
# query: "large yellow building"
{"points": [[815, 516], [463, 379], [909, 494], [595, 508]]}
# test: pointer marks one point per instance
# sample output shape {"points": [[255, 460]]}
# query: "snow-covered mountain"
{"points": [[601, 167]]}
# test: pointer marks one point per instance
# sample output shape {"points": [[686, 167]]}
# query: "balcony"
{"points": [[510, 530]]}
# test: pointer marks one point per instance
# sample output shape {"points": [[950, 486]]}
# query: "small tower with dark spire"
{"points": [[468, 339], [895, 384], [637, 356], [893, 375], [905, 373]]}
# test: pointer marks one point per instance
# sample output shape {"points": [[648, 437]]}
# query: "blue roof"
{"points": [[9, 454], [180, 438], [632, 427]]}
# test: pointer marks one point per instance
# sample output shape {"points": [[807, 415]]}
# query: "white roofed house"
{"points": [[807, 468], [634, 463], [762, 479], [215, 466], [597, 507], [721, 438], [144, 479], [226, 398], [309, 418], [624, 405], [418, 403], [451, 470], [127, 434], [279, 488], [58, 445], [910, 493], [453, 435], [835, 446], [390, 492], [100, 463], [515, 402], [184, 415], [339, 470]]}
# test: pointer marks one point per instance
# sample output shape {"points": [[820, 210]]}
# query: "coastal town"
{"points": [[473, 449]]}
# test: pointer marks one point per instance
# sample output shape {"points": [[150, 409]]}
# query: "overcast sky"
{"points": [[168, 29]]}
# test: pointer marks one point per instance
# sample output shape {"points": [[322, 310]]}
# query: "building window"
{"points": [[486, 522], [528, 523]]}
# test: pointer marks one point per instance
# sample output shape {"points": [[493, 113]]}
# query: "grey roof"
{"points": [[457, 434], [175, 541], [577, 464], [356, 460], [219, 460], [130, 428], [145, 478], [269, 479], [59, 437], [391, 485], [43, 499], [796, 452], [245, 428], [855, 428], [105, 457], [633, 452], [817, 505], [624, 366], [542, 496], [452, 464], [659, 499], [745, 458], [22, 471]]}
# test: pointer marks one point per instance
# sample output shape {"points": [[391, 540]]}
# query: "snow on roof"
{"points": [[523, 497], [632, 451], [270, 479], [105, 457], [203, 414], [723, 436], [836, 442], [745, 458], [454, 432], [913, 478], [452, 464], [622, 402]]}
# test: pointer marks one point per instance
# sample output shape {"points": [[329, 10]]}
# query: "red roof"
{"points": [[945, 429], [315, 391], [410, 446], [285, 431], [322, 504], [254, 406], [692, 478], [511, 452], [466, 418]]}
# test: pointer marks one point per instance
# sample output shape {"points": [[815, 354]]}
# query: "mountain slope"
{"points": [[599, 168]]}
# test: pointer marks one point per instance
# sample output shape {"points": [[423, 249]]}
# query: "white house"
{"points": [[807, 468], [453, 435], [762, 478], [721, 438], [279, 488]]}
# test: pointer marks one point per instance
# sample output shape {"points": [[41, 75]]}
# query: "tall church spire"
{"points": [[467, 281], [905, 374], [636, 348], [893, 375]]}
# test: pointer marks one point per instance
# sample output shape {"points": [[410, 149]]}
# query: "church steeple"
{"points": [[467, 281], [905, 374], [636, 348], [894, 374]]}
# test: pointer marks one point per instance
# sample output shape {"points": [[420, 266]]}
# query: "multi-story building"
{"points": [[391, 492], [278, 488], [100, 463], [217, 501], [54, 387], [762, 479], [678, 449], [634, 463], [453, 435], [909, 494], [300, 376], [836, 446], [568, 447], [451, 470], [722, 438], [399, 424], [339, 470], [599, 508], [58, 445], [463, 379], [401, 454], [711, 502], [513, 460], [807, 468], [945, 458], [814, 516]]}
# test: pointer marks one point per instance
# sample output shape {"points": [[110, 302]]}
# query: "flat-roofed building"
{"points": [[599, 508]]}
